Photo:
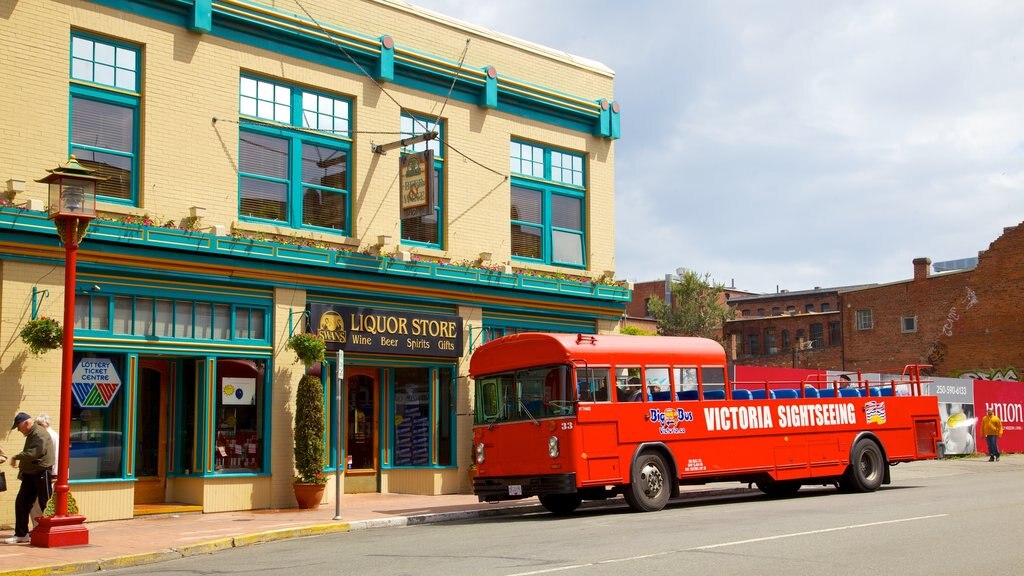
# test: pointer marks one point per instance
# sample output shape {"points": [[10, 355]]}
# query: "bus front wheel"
{"points": [[867, 468], [650, 485], [561, 504]]}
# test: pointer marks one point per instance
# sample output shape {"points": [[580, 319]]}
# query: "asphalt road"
{"points": [[937, 518]]}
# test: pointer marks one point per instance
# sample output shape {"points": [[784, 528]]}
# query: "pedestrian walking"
{"points": [[44, 421], [992, 430], [34, 463]]}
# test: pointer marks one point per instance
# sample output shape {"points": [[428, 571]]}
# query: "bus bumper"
{"points": [[497, 488]]}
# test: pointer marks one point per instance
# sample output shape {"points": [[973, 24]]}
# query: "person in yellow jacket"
{"points": [[992, 429]]}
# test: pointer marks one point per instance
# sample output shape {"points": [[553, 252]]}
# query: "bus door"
{"points": [[598, 421]]}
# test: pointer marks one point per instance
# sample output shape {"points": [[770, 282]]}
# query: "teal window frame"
{"points": [[298, 132], [121, 95], [414, 125], [540, 169]]}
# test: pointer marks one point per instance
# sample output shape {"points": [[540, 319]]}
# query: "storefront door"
{"points": [[361, 447], [151, 432]]}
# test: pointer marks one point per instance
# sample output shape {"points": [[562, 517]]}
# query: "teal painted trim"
{"points": [[490, 88], [386, 63], [616, 130], [257, 254], [202, 16], [206, 411], [554, 324], [414, 69], [604, 125]]}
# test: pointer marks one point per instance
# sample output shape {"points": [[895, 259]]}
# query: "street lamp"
{"points": [[72, 206]]}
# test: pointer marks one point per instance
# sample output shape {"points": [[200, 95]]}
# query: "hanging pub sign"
{"points": [[416, 181], [386, 331]]}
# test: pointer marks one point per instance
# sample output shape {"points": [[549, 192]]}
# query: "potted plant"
{"points": [[42, 335], [309, 423]]}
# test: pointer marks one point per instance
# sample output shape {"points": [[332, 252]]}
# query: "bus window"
{"points": [[593, 384], [525, 395], [628, 387], [657, 384], [490, 399], [712, 379], [686, 383]]}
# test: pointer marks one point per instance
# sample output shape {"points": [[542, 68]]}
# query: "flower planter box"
{"points": [[409, 268], [304, 254], [246, 247], [174, 238], [456, 273], [545, 284], [356, 261]]}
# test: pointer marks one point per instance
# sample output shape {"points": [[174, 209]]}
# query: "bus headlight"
{"points": [[479, 453], [553, 446]]}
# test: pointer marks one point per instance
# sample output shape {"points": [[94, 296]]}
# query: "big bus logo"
{"points": [[669, 419]]}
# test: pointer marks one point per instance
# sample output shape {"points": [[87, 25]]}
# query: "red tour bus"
{"points": [[569, 418]]}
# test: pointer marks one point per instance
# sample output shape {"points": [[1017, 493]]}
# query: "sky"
{"points": [[798, 144]]}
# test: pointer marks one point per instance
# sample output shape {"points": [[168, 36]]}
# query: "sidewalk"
{"points": [[147, 539]]}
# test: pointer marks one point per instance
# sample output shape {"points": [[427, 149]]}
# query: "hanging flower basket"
{"points": [[42, 335], [310, 348]]}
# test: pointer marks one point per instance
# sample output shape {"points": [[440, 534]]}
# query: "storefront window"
{"points": [[412, 417], [97, 418], [239, 415], [424, 417]]}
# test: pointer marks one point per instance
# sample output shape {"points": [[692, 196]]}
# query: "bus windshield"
{"points": [[527, 394]]}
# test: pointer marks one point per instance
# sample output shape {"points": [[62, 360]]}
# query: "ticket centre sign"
{"points": [[355, 329], [95, 382]]}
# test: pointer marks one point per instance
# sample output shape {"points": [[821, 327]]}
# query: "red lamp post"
{"points": [[72, 206]]}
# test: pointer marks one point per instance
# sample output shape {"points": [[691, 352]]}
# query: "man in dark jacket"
{"points": [[33, 463]]}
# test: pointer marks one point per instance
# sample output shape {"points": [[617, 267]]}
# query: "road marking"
{"points": [[810, 532], [724, 544]]}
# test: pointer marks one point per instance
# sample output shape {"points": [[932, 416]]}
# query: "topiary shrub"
{"points": [[309, 431]]}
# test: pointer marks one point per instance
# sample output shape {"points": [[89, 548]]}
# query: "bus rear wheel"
{"points": [[561, 504], [867, 468], [650, 485]]}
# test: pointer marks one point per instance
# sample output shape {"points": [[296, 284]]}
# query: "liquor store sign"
{"points": [[386, 331]]}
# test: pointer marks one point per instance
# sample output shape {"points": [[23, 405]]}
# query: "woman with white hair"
{"points": [[44, 421]]}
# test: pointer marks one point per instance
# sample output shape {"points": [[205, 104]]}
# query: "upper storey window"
{"points": [[547, 208], [105, 97], [294, 156], [427, 229]]}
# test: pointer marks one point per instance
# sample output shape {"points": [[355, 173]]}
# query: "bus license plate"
{"points": [[515, 490]]}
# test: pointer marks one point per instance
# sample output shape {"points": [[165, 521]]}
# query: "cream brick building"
{"points": [[245, 197]]}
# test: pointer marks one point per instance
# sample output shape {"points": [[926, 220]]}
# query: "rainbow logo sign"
{"points": [[95, 383]]}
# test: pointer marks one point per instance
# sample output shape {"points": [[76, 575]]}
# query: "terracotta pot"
{"points": [[309, 495]]}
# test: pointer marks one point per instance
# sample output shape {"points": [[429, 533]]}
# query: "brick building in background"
{"points": [[799, 329], [963, 322]]}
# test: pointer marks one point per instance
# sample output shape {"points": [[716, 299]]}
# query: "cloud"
{"points": [[799, 144]]}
